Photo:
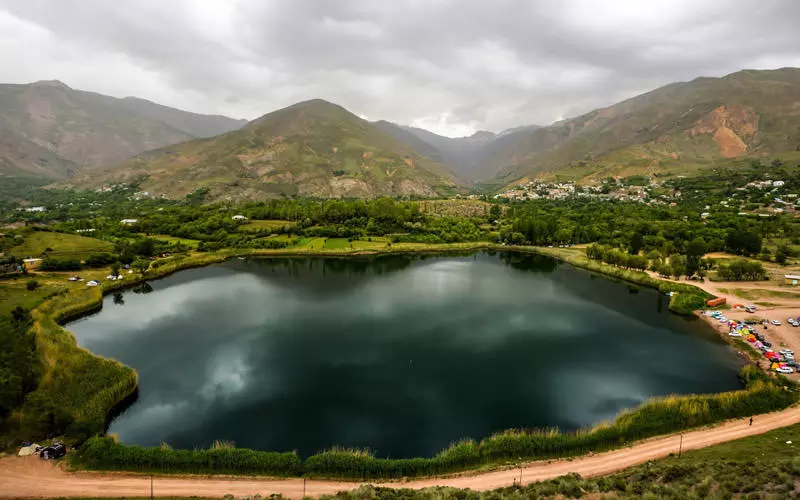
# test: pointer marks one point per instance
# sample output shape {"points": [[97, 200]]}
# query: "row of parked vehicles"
{"points": [[782, 361]]}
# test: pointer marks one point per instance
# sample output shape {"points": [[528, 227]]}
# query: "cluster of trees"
{"points": [[616, 257], [742, 270], [676, 265], [19, 362]]}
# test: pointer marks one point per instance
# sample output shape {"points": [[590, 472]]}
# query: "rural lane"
{"points": [[31, 477]]}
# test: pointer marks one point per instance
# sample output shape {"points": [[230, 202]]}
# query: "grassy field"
{"points": [[174, 239], [13, 293], [60, 245], [266, 225], [758, 293]]}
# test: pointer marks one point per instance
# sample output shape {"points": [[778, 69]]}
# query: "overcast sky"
{"points": [[451, 66]]}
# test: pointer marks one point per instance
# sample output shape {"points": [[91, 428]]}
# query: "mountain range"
{"points": [[49, 130], [313, 148], [316, 148]]}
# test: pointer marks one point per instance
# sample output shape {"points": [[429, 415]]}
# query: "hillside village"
{"points": [[772, 196]]}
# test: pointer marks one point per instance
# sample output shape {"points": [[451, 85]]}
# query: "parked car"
{"points": [[776, 322], [784, 369], [55, 450], [786, 351], [767, 344]]}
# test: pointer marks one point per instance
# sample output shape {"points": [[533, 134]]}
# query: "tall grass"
{"points": [[78, 389], [105, 453], [658, 416]]}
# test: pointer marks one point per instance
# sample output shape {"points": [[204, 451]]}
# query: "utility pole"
{"points": [[520, 475], [680, 448], [151, 487], [304, 488]]}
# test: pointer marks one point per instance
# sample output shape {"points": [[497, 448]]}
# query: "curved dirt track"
{"points": [[31, 477]]}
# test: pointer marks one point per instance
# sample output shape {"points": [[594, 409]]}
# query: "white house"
{"points": [[239, 217], [128, 222], [35, 209], [777, 184]]}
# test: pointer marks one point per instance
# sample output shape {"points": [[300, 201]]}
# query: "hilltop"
{"points": [[678, 128], [48, 130], [313, 148]]}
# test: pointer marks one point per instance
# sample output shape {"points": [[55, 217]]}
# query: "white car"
{"points": [[92, 283], [776, 322], [784, 369]]}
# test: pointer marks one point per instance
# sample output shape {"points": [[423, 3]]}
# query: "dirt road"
{"points": [[31, 477]]}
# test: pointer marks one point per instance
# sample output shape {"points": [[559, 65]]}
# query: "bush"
{"points": [[105, 453], [32, 285], [54, 264], [99, 260]]}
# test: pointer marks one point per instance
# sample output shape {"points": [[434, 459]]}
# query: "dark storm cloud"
{"points": [[450, 65]]}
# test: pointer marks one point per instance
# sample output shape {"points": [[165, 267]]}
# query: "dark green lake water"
{"points": [[401, 354]]}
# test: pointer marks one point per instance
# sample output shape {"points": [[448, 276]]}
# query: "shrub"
{"points": [[32, 285], [99, 260], [105, 453], [54, 264]]}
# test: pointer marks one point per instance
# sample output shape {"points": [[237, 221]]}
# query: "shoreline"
{"points": [[93, 298]]}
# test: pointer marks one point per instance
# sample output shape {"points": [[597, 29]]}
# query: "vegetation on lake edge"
{"points": [[78, 404], [762, 394], [756, 467]]}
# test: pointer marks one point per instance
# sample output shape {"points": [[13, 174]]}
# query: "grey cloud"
{"points": [[458, 64]]}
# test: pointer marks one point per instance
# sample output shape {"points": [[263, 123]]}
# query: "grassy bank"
{"points": [[658, 416], [757, 467], [79, 390], [685, 299]]}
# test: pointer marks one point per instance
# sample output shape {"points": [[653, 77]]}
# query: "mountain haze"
{"points": [[49, 129], [313, 148], [469, 157]]}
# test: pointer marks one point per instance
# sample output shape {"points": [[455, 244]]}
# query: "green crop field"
{"points": [[336, 244], [59, 245], [174, 239], [266, 225]]}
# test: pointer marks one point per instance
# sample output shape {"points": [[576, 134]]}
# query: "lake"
{"points": [[402, 354]]}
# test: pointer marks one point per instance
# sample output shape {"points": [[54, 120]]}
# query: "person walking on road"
{"points": [[751, 421]]}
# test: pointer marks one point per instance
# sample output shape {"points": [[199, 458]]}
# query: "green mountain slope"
{"points": [[49, 128], [671, 129], [313, 148]]}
